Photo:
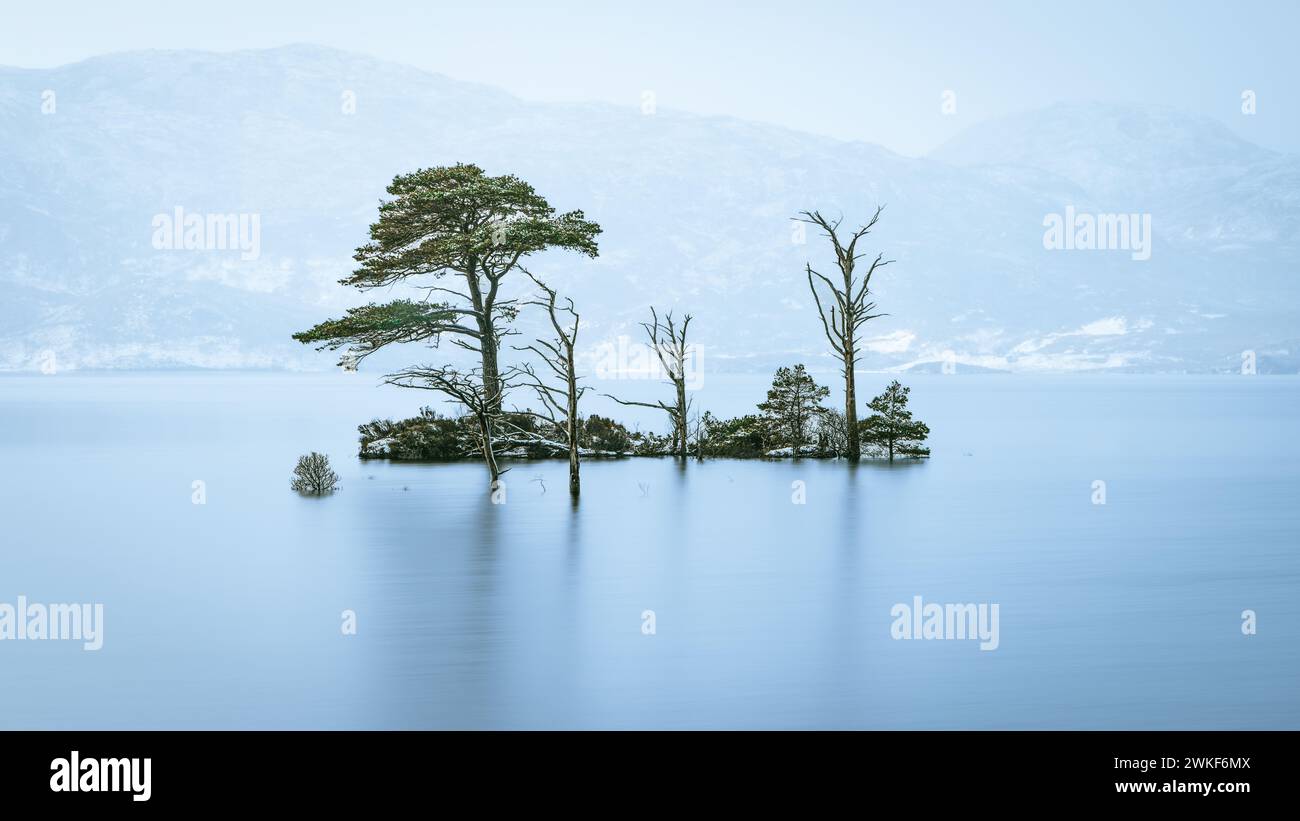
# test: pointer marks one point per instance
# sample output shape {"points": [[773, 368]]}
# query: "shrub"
{"points": [[602, 434], [741, 438], [313, 475]]}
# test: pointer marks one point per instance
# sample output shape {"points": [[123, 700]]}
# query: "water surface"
{"points": [[768, 613]]}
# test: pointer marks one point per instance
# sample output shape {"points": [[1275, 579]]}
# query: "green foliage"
{"points": [[793, 403], [604, 435], [370, 327], [890, 430], [457, 218], [452, 220], [525, 435], [460, 221], [434, 437], [651, 444], [437, 438], [428, 436], [744, 437]]}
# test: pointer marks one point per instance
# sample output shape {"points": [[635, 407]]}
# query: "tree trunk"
{"points": [[487, 338], [572, 424], [575, 484], [680, 444], [851, 405], [489, 455], [491, 374], [848, 312]]}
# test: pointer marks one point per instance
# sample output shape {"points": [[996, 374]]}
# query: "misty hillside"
{"points": [[696, 214]]}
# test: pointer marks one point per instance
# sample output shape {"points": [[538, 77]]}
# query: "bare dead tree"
{"points": [[467, 388], [849, 308], [832, 433], [697, 433], [314, 475], [559, 404], [669, 343]]}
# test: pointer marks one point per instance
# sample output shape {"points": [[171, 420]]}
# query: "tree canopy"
{"points": [[460, 221], [793, 402], [890, 429]]}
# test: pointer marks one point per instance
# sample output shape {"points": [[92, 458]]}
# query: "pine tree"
{"points": [[455, 234], [891, 427], [793, 401]]}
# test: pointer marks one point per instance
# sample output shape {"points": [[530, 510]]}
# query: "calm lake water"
{"points": [[767, 613]]}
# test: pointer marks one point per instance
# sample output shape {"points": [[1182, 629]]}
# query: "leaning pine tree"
{"points": [[846, 308], [455, 234], [890, 430]]}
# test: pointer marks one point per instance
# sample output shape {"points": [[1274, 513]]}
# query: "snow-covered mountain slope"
{"points": [[696, 211]]}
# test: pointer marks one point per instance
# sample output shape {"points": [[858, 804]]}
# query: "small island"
{"points": [[462, 237], [790, 424]]}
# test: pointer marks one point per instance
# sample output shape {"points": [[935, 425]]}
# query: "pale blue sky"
{"points": [[856, 70]]}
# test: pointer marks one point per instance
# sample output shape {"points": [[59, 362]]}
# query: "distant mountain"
{"points": [[696, 211]]}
